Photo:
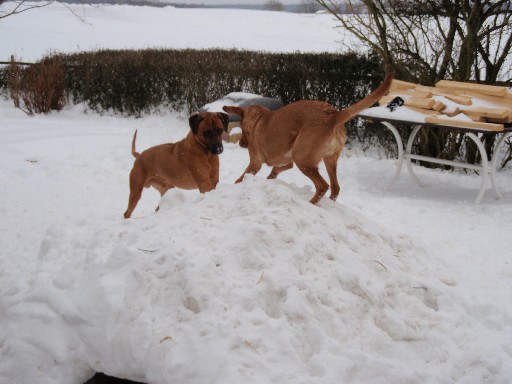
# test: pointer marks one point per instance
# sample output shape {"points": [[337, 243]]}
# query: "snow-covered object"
{"points": [[241, 99]]}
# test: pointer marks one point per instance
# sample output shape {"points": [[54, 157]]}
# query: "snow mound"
{"points": [[248, 283]]}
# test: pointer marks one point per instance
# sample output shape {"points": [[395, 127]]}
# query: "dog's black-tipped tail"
{"points": [[134, 152]]}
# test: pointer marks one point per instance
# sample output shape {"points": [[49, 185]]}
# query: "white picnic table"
{"points": [[487, 169]]}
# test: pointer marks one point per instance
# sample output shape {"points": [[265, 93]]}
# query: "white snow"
{"points": [[32, 34], [248, 283], [233, 99]]}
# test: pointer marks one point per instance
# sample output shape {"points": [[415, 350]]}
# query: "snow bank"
{"points": [[231, 286], [248, 283]]}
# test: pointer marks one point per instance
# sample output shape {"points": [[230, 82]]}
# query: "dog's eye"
{"points": [[218, 131]]}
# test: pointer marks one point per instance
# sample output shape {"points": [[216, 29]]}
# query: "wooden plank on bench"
{"points": [[506, 120], [499, 101], [451, 94], [399, 85], [491, 90], [450, 111], [423, 92], [491, 113], [420, 103], [492, 127]]}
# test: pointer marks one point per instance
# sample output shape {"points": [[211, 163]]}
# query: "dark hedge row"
{"points": [[3, 81], [136, 82]]}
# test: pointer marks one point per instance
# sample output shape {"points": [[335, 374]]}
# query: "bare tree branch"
{"points": [[20, 6], [428, 40], [15, 7]]}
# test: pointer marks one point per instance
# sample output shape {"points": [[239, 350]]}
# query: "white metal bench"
{"points": [[487, 168]]}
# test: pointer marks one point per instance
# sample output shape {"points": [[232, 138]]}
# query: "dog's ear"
{"points": [[193, 122], [233, 110], [225, 120]]}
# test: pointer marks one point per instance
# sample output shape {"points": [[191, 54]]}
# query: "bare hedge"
{"points": [[37, 88], [138, 82], [135, 82]]}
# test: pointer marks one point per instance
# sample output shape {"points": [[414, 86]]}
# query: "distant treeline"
{"points": [[299, 7]]}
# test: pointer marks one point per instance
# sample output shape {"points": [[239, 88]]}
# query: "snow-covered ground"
{"points": [[248, 283], [32, 34]]}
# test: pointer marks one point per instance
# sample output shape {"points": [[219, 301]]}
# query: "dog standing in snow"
{"points": [[188, 164], [305, 132]]}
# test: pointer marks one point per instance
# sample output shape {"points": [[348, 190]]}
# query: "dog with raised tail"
{"points": [[304, 133], [192, 163]]}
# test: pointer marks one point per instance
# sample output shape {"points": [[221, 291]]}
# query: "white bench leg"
{"points": [[400, 146], [494, 162], [485, 165], [408, 152]]}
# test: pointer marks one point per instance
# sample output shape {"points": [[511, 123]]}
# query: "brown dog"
{"points": [[304, 132], [188, 164]]}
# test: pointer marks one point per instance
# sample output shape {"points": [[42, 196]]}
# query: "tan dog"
{"points": [[304, 132], [188, 164]]}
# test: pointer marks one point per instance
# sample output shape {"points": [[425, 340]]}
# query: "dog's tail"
{"points": [[134, 152], [352, 111]]}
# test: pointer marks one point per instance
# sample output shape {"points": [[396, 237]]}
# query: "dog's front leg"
{"points": [[253, 168], [206, 187], [214, 172], [202, 179], [204, 184]]}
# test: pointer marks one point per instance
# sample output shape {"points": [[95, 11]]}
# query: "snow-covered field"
{"points": [[248, 283], [32, 34]]}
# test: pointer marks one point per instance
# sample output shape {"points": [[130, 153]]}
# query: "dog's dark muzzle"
{"points": [[216, 149]]}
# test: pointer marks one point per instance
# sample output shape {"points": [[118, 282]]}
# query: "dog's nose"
{"points": [[217, 149]]}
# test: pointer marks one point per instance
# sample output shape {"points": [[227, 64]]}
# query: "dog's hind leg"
{"points": [[253, 168], [135, 194], [307, 154], [277, 170], [136, 187], [317, 179], [331, 165]]}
